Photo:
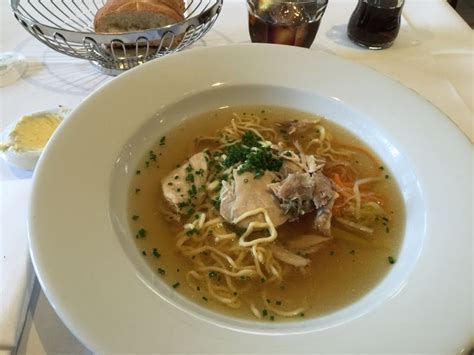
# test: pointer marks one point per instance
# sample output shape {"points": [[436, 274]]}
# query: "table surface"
{"points": [[432, 55]]}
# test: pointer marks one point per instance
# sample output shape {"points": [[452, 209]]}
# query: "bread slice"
{"points": [[136, 15]]}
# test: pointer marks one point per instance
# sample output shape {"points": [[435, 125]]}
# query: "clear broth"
{"points": [[338, 275]]}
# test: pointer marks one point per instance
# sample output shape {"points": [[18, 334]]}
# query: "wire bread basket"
{"points": [[67, 27]]}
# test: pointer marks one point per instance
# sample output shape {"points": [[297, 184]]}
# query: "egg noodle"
{"points": [[227, 261]]}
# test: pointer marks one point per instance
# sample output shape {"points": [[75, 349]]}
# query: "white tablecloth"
{"points": [[433, 55]]}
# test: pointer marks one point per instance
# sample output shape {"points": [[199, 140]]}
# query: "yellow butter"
{"points": [[32, 132]]}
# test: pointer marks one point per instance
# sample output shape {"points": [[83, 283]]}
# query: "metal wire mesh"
{"points": [[67, 27]]}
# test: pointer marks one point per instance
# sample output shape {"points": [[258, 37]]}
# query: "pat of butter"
{"points": [[32, 132]]}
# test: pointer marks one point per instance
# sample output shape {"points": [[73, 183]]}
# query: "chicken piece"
{"points": [[295, 194], [302, 193], [247, 193], [184, 187], [289, 167], [292, 126], [323, 190]]}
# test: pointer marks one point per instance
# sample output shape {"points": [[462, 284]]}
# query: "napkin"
{"points": [[16, 271]]}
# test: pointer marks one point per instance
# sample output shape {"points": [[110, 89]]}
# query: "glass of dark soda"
{"points": [[291, 22], [374, 24]]}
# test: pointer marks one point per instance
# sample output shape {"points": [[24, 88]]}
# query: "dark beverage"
{"points": [[294, 24], [301, 35], [375, 23]]}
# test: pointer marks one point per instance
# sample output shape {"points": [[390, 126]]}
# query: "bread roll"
{"points": [[136, 15]]}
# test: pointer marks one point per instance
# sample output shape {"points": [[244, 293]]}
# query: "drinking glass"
{"points": [[291, 22]]}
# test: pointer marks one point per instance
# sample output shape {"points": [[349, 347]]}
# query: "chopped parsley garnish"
{"points": [[278, 303], [381, 168], [144, 252], [152, 155], [138, 172], [190, 177], [301, 314], [161, 271], [141, 233], [386, 176], [176, 285], [182, 205], [204, 298], [137, 191], [253, 156], [191, 232], [135, 217], [213, 274], [163, 140], [392, 260], [217, 203], [264, 312], [272, 318], [155, 253]]}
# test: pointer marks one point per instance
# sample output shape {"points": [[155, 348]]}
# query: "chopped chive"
{"points": [[391, 260], [272, 318], [301, 314], [135, 217], [387, 230], [204, 298], [176, 285], [381, 168], [386, 176], [268, 301], [163, 140], [137, 191], [161, 271], [144, 252], [155, 253], [278, 303], [264, 312], [138, 172], [198, 288], [141, 233]]}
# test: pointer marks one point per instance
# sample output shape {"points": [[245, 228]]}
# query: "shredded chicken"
{"points": [[288, 257]]}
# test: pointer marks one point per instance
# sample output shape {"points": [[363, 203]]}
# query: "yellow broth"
{"points": [[339, 274]]}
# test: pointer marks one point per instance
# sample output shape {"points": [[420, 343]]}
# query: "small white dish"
{"points": [[26, 159], [12, 67], [91, 271]]}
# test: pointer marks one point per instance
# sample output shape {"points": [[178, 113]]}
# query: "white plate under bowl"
{"points": [[91, 271]]}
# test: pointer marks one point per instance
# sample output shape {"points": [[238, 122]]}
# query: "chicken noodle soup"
{"points": [[266, 212]]}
